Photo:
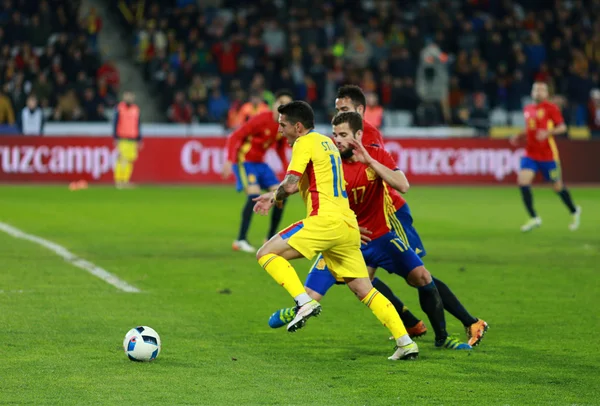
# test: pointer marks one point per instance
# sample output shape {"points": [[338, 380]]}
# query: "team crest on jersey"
{"points": [[540, 113], [267, 132], [321, 264], [371, 174]]}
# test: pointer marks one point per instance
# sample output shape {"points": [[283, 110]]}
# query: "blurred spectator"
{"points": [[7, 114], [180, 111], [218, 105], [479, 118], [109, 72], [93, 24], [373, 111], [68, 108], [32, 118], [433, 84], [594, 112]]}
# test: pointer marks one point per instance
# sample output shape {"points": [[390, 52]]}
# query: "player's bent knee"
{"points": [[419, 276], [359, 286]]}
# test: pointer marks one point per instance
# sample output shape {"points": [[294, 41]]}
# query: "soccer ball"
{"points": [[142, 344]]}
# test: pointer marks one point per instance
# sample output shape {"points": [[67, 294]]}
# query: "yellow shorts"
{"points": [[334, 238], [128, 149]]}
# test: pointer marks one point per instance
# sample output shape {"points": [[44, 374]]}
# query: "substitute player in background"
{"points": [[543, 120], [128, 138], [246, 148], [330, 226]]}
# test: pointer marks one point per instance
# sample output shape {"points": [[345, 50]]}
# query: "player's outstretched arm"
{"points": [[386, 169], [288, 187]]}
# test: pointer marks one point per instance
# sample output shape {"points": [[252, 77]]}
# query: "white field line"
{"points": [[71, 258]]}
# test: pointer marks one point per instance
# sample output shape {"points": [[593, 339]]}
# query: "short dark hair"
{"points": [[284, 92], [354, 93], [298, 111], [354, 120]]}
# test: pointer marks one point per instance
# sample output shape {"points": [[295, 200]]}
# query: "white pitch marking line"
{"points": [[71, 258]]}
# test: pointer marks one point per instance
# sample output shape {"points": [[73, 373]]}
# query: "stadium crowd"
{"points": [[48, 51], [427, 63], [449, 62]]}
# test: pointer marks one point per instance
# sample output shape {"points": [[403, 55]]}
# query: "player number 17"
{"points": [[355, 192]]}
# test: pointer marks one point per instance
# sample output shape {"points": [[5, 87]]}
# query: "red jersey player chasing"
{"points": [[246, 148], [543, 120]]}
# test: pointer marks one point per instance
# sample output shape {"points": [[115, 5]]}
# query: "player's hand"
{"points": [[227, 169], [360, 152], [541, 135], [364, 235], [263, 204]]}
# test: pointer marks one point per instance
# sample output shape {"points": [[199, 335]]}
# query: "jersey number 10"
{"points": [[338, 179]]}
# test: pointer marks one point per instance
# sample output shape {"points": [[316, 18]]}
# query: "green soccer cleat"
{"points": [[452, 343], [282, 317]]}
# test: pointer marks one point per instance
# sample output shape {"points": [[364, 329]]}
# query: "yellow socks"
{"points": [[119, 167], [283, 273], [385, 312], [127, 171]]}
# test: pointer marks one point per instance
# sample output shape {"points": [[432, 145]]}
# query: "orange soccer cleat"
{"points": [[476, 331], [418, 330]]}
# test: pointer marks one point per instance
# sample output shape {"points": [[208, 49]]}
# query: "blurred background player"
{"points": [[330, 227], [543, 120], [128, 138], [246, 148]]}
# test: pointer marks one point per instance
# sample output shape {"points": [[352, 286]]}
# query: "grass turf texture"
{"points": [[61, 329]]}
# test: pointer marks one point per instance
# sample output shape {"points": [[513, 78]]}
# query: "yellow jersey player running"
{"points": [[330, 227]]}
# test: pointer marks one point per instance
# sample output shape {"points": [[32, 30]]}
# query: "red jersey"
{"points": [[252, 140], [542, 116], [367, 193], [372, 136]]}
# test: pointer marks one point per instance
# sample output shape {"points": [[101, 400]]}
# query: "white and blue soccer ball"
{"points": [[142, 344]]}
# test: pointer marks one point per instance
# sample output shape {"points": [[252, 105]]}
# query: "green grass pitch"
{"points": [[61, 328]]}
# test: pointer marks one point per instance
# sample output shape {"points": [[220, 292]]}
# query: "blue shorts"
{"points": [[550, 169], [405, 230], [388, 252], [254, 173]]}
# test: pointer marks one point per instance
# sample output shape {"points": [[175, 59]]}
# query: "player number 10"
{"points": [[336, 167]]}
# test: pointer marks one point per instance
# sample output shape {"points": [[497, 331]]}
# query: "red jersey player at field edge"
{"points": [[543, 121], [246, 149], [351, 98]]}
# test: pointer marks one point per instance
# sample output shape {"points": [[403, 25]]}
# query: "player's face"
{"points": [[345, 104], [280, 102], [288, 130], [342, 135], [539, 92]]}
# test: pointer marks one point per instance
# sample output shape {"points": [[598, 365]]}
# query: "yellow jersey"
{"points": [[316, 159]]}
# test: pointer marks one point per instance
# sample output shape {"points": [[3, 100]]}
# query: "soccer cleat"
{"points": [[532, 223], [416, 331], [576, 219], [476, 331], [244, 246], [282, 317], [303, 313], [453, 344], [406, 352]]}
